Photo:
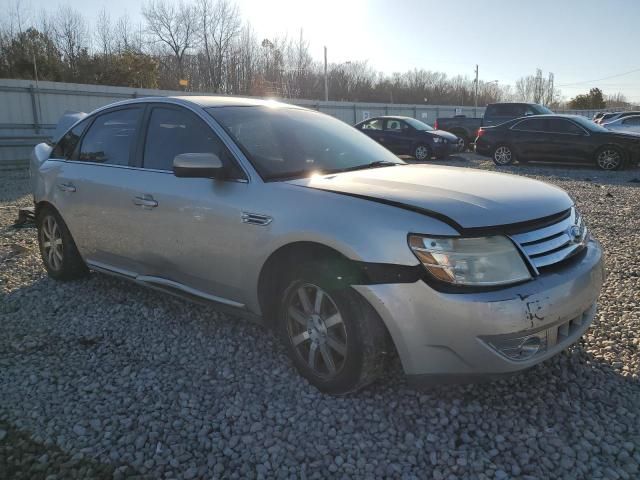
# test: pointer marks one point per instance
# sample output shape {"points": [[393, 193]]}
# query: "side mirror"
{"points": [[198, 165]]}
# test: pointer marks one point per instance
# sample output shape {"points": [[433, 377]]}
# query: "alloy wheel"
{"points": [[421, 152], [609, 159], [52, 242], [503, 155], [316, 330]]}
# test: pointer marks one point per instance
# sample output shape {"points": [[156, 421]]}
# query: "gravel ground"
{"points": [[103, 379]]}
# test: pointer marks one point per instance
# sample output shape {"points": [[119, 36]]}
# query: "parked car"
{"points": [[465, 128], [628, 124], [299, 221], [408, 136], [617, 116], [565, 138], [495, 113], [606, 117]]}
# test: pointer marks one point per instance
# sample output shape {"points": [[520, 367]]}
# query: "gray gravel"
{"points": [[104, 379]]}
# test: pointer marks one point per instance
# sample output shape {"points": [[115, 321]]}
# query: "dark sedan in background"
{"points": [[408, 136], [562, 138]]}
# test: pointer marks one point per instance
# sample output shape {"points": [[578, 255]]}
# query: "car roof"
{"points": [[203, 101]]}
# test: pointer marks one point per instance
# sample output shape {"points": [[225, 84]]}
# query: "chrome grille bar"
{"points": [[554, 243]]}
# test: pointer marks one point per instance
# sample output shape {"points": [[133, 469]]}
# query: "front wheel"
{"points": [[422, 152], [609, 158], [503, 155], [333, 337]]}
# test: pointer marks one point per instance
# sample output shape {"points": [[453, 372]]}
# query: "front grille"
{"points": [[554, 243]]}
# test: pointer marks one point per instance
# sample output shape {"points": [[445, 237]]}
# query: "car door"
{"points": [[530, 139], [399, 136], [568, 141], [191, 228], [93, 195], [374, 129]]}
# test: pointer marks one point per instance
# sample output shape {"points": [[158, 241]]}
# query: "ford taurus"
{"points": [[302, 222]]}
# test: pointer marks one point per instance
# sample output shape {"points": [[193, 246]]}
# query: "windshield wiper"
{"points": [[377, 163]]}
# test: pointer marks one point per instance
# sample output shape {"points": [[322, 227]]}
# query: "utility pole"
{"points": [[551, 92], [326, 85], [475, 102]]}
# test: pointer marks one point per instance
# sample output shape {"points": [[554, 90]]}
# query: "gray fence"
{"points": [[29, 112]]}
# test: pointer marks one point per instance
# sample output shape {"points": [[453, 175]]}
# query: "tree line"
{"points": [[205, 46]]}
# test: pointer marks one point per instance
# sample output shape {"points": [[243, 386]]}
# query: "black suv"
{"points": [[497, 113]]}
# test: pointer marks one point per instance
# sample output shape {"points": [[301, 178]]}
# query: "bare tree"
{"points": [[72, 37], [173, 25], [104, 33], [220, 26]]}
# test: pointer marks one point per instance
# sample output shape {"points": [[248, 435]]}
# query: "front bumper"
{"points": [[449, 336], [444, 149]]}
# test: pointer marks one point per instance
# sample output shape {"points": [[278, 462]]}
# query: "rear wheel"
{"points": [[609, 158], [422, 152], [503, 155], [58, 250], [333, 337]]}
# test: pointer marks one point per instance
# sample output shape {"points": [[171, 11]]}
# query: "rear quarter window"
{"points": [[67, 144]]}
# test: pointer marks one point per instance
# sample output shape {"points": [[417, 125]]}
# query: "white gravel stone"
{"points": [[109, 380]]}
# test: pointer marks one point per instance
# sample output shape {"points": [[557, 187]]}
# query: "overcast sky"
{"points": [[577, 40]]}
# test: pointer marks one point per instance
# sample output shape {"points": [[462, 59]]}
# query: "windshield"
{"points": [[286, 142], [418, 125]]}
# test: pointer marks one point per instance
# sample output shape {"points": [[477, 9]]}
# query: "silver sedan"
{"points": [[630, 124], [301, 222]]}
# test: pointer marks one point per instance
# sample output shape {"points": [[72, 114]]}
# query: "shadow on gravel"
{"points": [[22, 457]]}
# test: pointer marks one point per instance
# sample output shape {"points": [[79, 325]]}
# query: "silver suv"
{"points": [[303, 223]]}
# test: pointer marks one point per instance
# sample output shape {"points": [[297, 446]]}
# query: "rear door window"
{"points": [[111, 137], [372, 125], [632, 121], [67, 144]]}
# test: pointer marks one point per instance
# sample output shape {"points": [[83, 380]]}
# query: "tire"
{"points": [[58, 250], [463, 143], [503, 155], [422, 152], [333, 336], [609, 158]]}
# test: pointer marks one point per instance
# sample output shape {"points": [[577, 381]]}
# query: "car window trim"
{"points": [[131, 106], [513, 127], [172, 106]]}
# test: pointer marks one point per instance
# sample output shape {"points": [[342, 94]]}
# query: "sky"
{"points": [[578, 40]]}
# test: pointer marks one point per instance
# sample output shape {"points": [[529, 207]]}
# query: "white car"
{"points": [[625, 124]]}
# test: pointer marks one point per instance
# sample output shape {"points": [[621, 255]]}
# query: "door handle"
{"points": [[145, 201], [67, 187]]}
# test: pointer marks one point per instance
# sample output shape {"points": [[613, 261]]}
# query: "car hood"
{"points": [[442, 133], [467, 197]]}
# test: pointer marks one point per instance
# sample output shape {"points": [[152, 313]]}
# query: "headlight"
{"points": [[438, 140], [479, 261]]}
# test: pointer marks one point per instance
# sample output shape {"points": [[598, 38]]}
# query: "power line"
{"points": [[600, 79]]}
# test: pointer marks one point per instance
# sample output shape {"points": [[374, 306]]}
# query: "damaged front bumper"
{"points": [[468, 336]]}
